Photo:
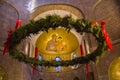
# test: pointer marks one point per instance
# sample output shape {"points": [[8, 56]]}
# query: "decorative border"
{"points": [[54, 21]]}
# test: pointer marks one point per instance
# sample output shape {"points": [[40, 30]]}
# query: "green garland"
{"points": [[53, 21]]}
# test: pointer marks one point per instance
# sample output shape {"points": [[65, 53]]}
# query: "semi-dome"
{"points": [[58, 43], [65, 40]]}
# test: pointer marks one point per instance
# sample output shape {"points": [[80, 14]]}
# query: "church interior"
{"points": [[59, 39]]}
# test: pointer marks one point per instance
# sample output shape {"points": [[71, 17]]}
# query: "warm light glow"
{"points": [[67, 42], [57, 44], [114, 71]]}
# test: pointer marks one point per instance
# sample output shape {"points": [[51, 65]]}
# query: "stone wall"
{"points": [[104, 62], [107, 10], [13, 67]]}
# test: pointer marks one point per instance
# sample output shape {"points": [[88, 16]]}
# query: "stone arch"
{"points": [[59, 9]]}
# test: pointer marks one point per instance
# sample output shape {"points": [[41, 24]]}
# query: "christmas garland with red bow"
{"points": [[67, 22]]}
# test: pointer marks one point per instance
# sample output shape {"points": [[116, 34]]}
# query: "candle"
{"points": [[36, 56], [82, 49], [107, 39], [83, 53], [87, 68], [7, 42], [18, 23], [34, 69], [36, 52]]}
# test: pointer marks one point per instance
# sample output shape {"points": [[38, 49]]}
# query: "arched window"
{"points": [[40, 58], [74, 57], [58, 68]]}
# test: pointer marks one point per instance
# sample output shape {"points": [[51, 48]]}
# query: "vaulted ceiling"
{"points": [[108, 10]]}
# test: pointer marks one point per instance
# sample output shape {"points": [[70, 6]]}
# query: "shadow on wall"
{"points": [[118, 4], [76, 78]]}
